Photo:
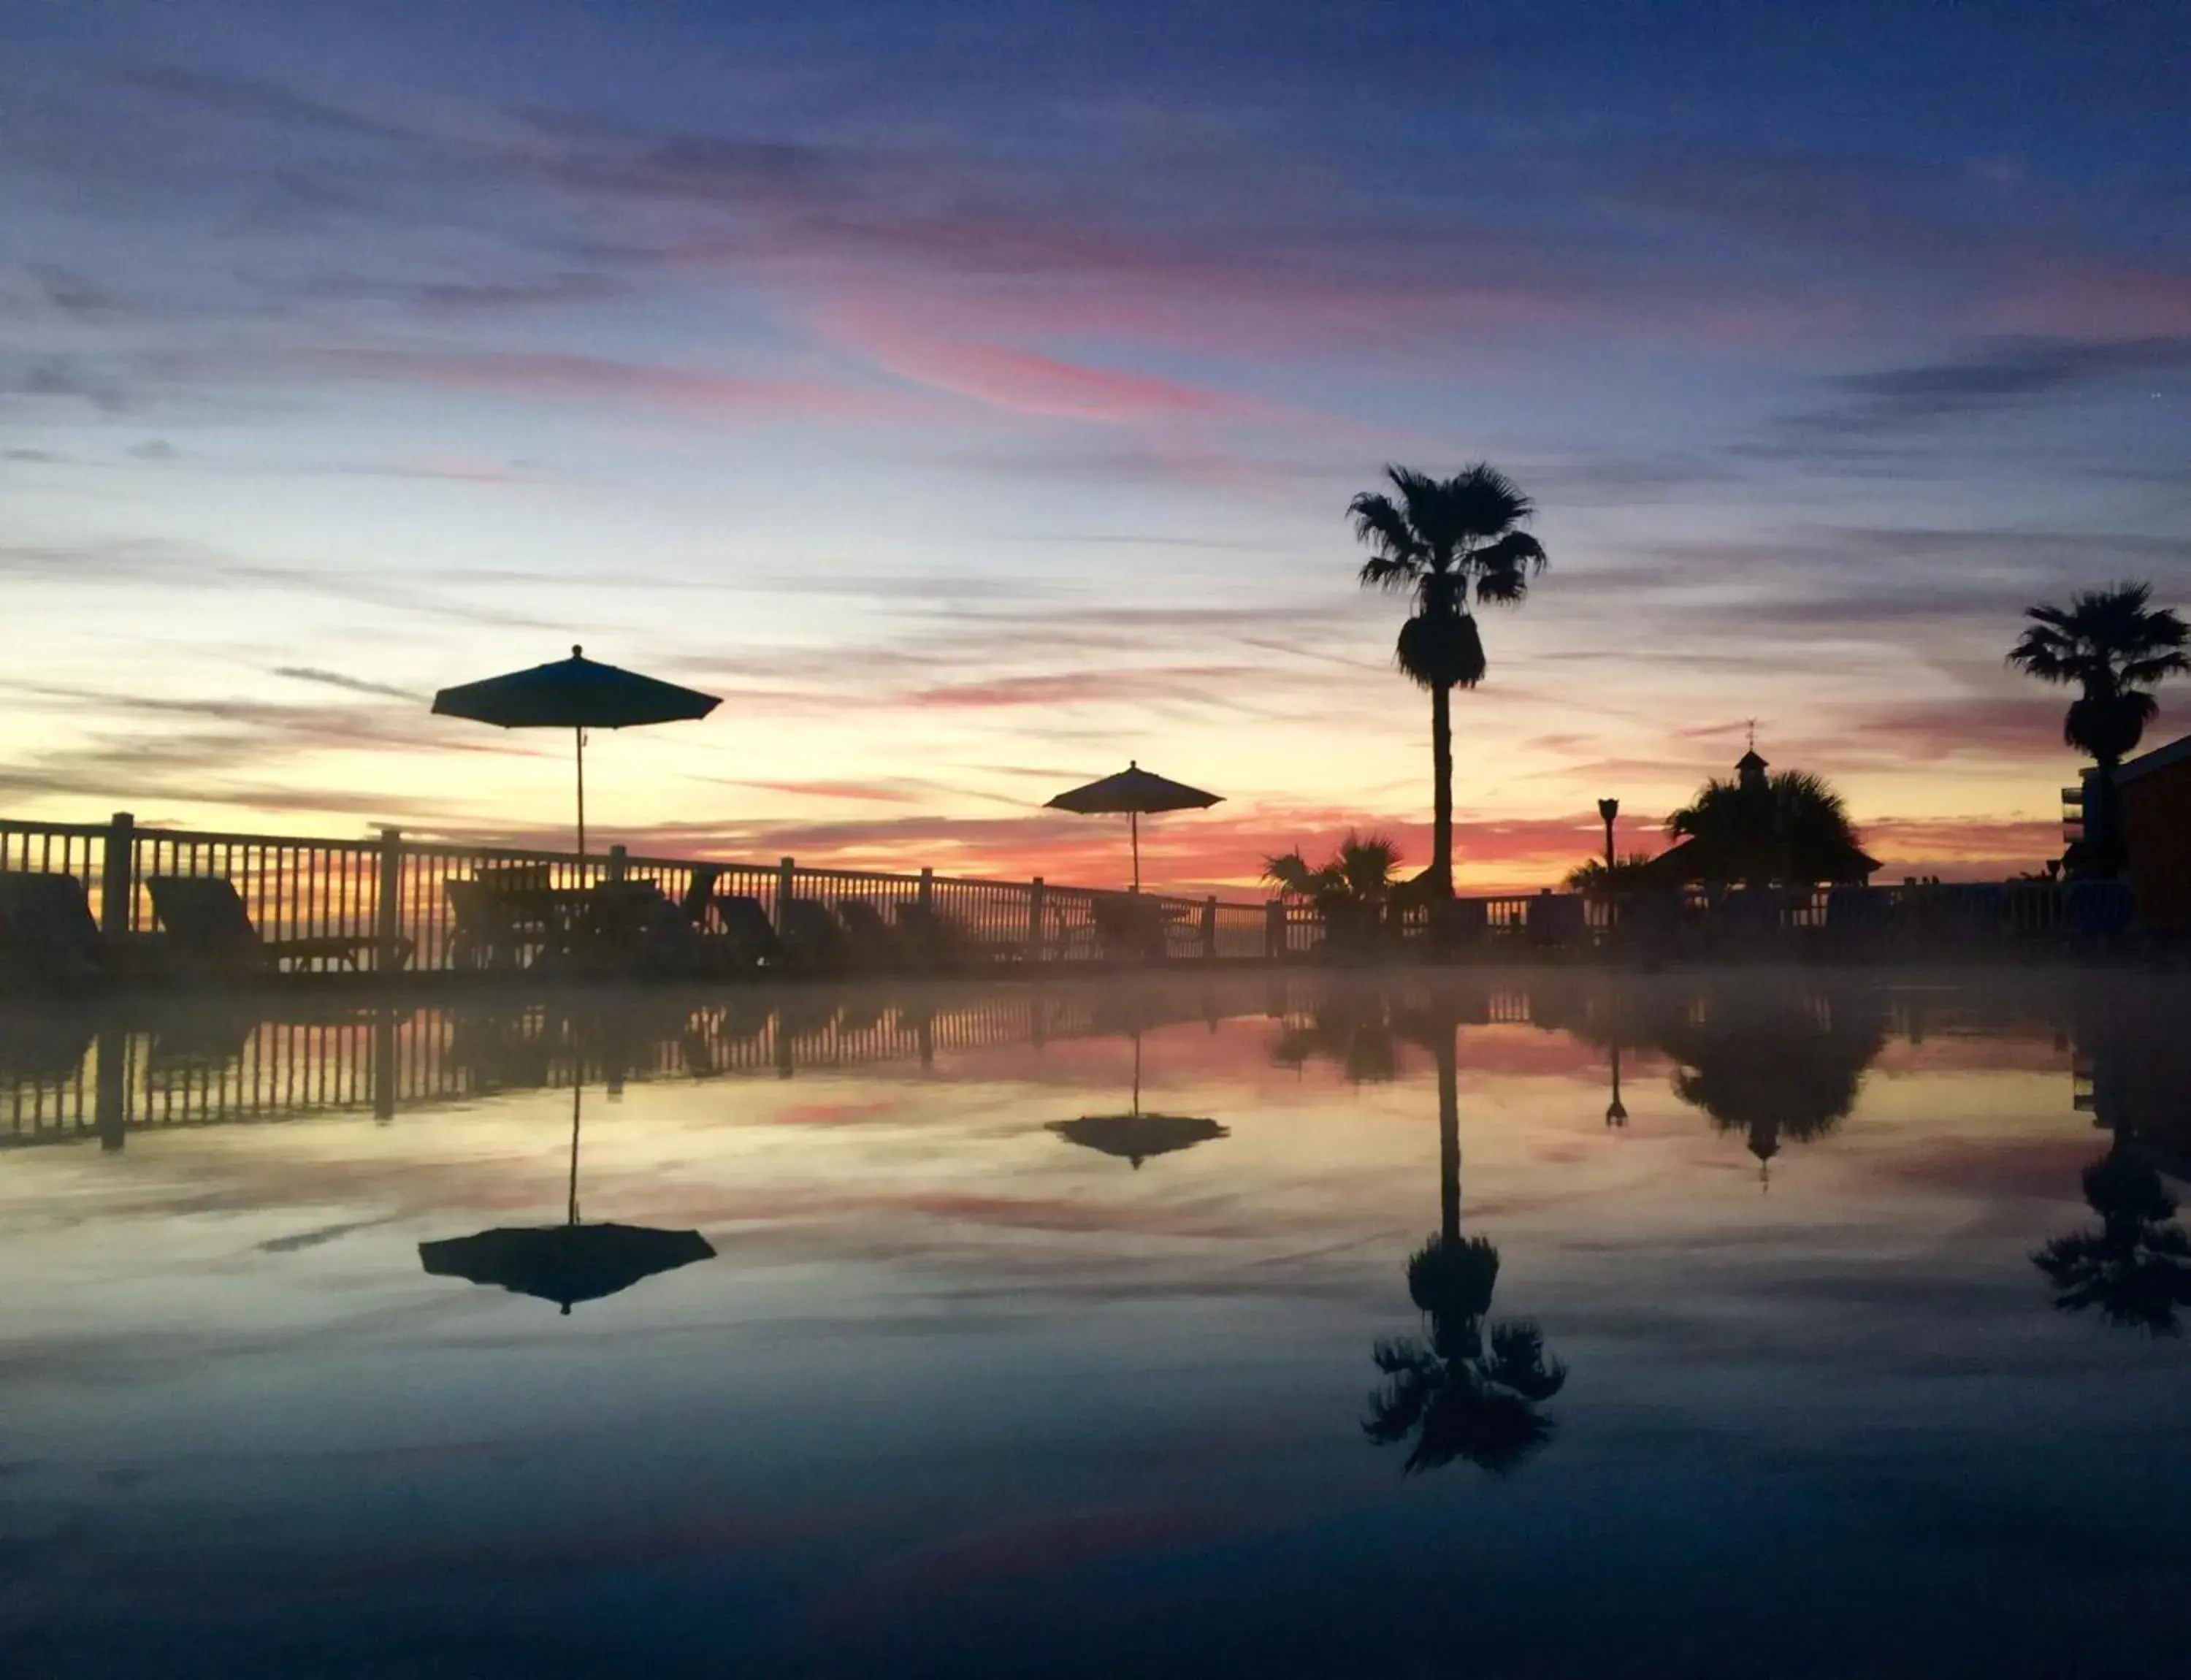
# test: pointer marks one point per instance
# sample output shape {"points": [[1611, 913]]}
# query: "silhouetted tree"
{"points": [[1790, 828], [1351, 891], [1452, 544], [1773, 1068], [1465, 1388], [2137, 1268], [2115, 648], [1627, 874]]}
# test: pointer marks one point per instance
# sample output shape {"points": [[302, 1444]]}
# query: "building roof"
{"points": [[2175, 752]]}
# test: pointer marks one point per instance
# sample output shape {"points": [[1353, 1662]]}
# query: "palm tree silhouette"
{"points": [[2137, 1268], [1465, 1388], [2116, 647], [1771, 1067], [1452, 544], [1351, 891], [1789, 827]]}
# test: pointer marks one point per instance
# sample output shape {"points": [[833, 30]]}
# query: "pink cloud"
{"points": [[1019, 381]]}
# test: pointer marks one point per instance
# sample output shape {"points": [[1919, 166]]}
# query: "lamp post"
{"points": [[1608, 809]]}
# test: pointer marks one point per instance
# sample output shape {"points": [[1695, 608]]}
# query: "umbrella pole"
{"points": [[577, 1093], [580, 736], [1134, 823]]}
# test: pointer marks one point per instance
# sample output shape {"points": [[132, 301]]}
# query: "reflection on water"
{"points": [[948, 1398]]}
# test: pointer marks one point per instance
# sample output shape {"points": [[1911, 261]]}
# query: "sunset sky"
{"points": [[971, 394]]}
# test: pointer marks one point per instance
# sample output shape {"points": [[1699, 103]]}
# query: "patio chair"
{"points": [[487, 934], [207, 927], [1558, 921], [1128, 928]]}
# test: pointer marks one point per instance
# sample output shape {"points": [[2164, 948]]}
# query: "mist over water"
{"points": [[1041, 1332]]}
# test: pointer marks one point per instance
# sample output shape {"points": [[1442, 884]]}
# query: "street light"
{"points": [[1608, 809]]}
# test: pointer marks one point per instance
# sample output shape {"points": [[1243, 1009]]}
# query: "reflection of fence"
{"points": [[390, 889], [67, 1076]]}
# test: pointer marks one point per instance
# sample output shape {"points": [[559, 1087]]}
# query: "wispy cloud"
{"points": [[338, 680]]}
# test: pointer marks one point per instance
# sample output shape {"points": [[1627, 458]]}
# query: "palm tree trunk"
{"points": [[1440, 872], [2111, 854], [1448, 1083]]}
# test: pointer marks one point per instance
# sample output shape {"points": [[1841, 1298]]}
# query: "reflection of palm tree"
{"points": [[1465, 1388], [1352, 1029], [1772, 1069], [2137, 1268]]}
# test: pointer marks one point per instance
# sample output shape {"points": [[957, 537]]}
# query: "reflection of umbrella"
{"points": [[568, 1262], [1134, 1136], [577, 694], [1132, 791]]}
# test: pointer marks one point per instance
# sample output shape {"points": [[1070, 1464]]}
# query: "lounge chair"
{"points": [[871, 941], [928, 938], [47, 935], [700, 894], [813, 939], [747, 940], [207, 927]]}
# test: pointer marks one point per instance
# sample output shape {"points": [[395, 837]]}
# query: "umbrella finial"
{"points": [[577, 651]]}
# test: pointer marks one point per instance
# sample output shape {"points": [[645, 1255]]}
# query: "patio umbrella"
{"points": [[577, 694], [1131, 792], [1135, 1136], [568, 1262]]}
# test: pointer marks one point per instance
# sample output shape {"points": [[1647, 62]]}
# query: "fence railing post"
{"points": [[1274, 930], [388, 904], [111, 1093], [785, 887], [117, 876], [1210, 928], [1035, 942], [924, 894], [617, 864]]}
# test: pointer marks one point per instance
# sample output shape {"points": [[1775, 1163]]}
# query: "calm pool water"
{"points": [[989, 1358]]}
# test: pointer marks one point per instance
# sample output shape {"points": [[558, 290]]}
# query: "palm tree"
{"points": [[1453, 544], [1771, 1065], [1790, 828], [2137, 1268], [1463, 1389], [2116, 648], [1351, 891], [1627, 874]]}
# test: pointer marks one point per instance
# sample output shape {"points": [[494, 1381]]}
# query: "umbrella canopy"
{"points": [[1135, 1137], [577, 694], [568, 1262], [564, 1263], [1131, 792]]}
